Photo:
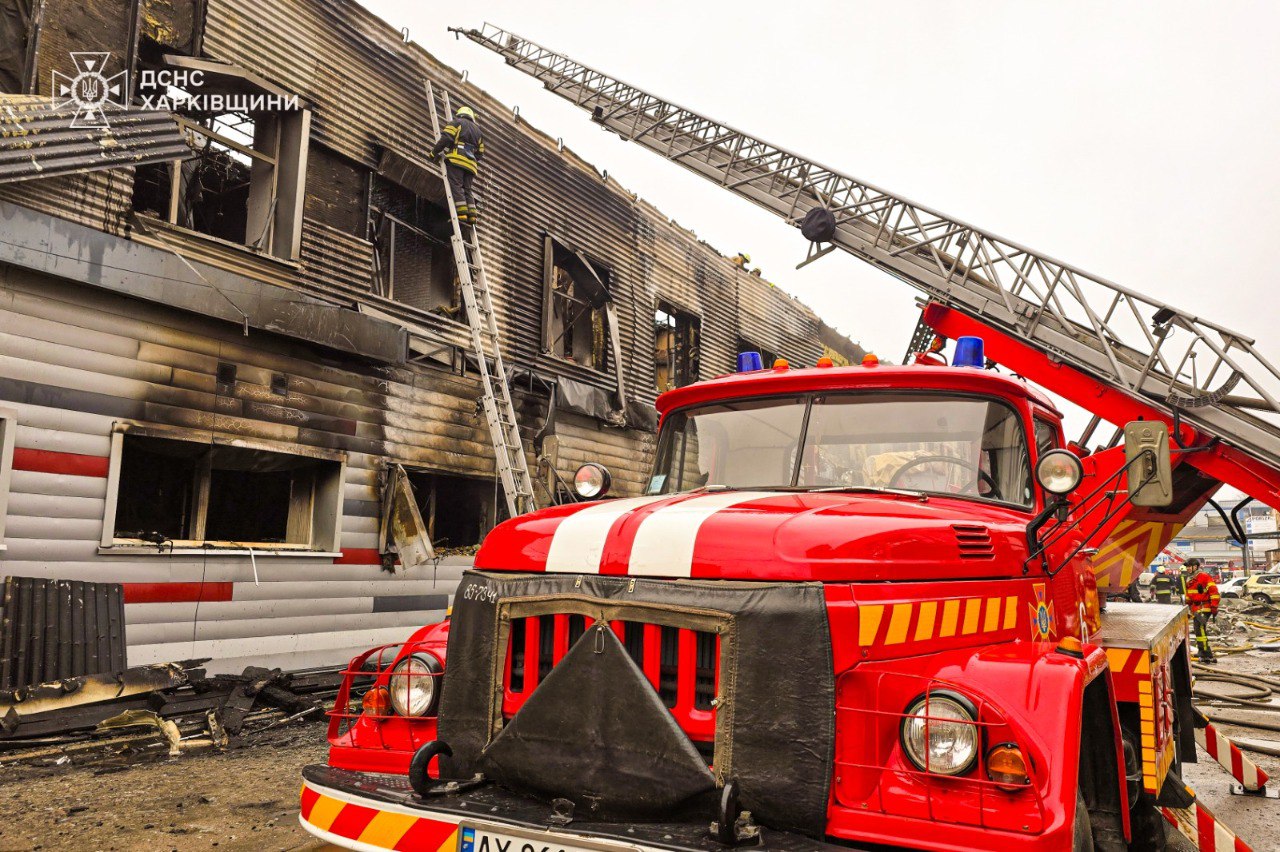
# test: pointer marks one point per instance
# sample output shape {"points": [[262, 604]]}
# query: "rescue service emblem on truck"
{"points": [[1041, 616]]}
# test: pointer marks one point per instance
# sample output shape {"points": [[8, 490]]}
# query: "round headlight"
{"points": [[592, 480], [1059, 471], [413, 685], [940, 734]]}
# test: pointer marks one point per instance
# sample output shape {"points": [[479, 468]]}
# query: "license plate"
{"points": [[473, 838]]}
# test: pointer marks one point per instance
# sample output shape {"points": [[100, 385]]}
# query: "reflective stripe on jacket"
{"points": [[462, 144]]}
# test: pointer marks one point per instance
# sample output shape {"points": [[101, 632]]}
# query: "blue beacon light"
{"points": [[969, 353], [749, 362]]}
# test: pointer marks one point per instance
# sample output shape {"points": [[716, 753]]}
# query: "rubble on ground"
{"points": [[167, 709]]}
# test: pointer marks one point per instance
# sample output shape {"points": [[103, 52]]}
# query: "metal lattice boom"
{"points": [[1213, 376]]}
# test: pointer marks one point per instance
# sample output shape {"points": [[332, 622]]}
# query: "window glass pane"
{"points": [[926, 442], [1046, 436], [934, 443], [746, 444]]}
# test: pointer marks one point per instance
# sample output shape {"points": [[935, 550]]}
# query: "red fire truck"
{"points": [[857, 606]]}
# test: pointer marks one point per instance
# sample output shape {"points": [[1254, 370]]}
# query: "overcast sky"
{"points": [[1135, 140]]}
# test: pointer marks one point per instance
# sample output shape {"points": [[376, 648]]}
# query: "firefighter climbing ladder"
{"points": [[504, 430], [1130, 342]]}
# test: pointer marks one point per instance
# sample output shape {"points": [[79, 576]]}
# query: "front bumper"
{"points": [[375, 812]]}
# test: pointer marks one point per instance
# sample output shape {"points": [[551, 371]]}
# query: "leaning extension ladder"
{"points": [[508, 448]]}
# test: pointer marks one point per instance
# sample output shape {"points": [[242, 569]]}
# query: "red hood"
{"points": [[754, 535]]}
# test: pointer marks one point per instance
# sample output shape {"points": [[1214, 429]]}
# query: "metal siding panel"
{"points": [[97, 199], [8, 633], [38, 141], [80, 626], [332, 646], [209, 630]]}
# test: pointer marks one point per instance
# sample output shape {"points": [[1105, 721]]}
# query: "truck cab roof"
{"points": [[785, 380]]}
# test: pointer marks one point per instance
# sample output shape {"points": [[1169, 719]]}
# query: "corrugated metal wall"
{"points": [[368, 89], [56, 629], [74, 360]]}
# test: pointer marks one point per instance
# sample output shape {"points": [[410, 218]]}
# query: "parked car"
{"points": [[1232, 588], [1262, 587]]}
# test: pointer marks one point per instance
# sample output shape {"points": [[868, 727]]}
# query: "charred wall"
{"points": [[76, 361]]}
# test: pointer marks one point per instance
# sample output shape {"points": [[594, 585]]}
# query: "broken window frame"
{"points": [[604, 361], [278, 166], [409, 516], [383, 226], [322, 517], [686, 331], [8, 436]]}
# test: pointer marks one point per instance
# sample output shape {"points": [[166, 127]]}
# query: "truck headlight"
{"points": [[413, 685], [940, 733]]}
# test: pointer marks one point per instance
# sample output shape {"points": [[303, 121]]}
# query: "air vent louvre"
{"points": [[974, 541]]}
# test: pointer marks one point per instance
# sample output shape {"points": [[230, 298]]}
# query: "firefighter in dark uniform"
{"points": [[1203, 598], [1162, 586], [462, 145]]}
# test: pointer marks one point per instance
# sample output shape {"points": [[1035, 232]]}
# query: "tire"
{"points": [[1082, 828], [1147, 826], [1259, 596]]}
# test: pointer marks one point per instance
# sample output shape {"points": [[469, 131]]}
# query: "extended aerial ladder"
{"points": [[1109, 349], [486, 343]]}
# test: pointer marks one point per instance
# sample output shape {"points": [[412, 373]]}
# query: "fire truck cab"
{"points": [[855, 607]]}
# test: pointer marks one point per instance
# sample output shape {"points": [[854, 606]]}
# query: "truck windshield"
{"points": [[928, 442]]}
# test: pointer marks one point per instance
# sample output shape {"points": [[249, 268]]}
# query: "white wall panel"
{"points": [[37, 482]]}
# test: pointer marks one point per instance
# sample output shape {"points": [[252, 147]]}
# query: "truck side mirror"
{"points": [[1146, 454]]}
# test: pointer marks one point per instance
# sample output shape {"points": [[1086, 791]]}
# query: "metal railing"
{"points": [[386, 731]]}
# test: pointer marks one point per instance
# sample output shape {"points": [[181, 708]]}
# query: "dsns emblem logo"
{"points": [[89, 90], [1042, 626]]}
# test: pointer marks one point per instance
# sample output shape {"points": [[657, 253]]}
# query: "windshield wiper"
{"points": [[872, 489]]}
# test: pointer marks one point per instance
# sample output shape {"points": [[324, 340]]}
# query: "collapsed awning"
{"points": [[38, 139]]}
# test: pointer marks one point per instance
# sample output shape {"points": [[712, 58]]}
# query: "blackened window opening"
{"points": [[577, 291], [767, 356], [188, 492], [157, 479], [457, 510], [413, 251], [676, 345], [247, 505]]}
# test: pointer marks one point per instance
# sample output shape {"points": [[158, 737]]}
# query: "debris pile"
{"points": [[166, 709], [1245, 625]]}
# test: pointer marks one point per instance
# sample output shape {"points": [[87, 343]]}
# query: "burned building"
{"points": [[230, 324]]}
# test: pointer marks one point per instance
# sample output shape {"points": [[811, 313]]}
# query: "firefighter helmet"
{"points": [[466, 112]]}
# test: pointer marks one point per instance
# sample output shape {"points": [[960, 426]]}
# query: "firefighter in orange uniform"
{"points": [[1203, 598]]}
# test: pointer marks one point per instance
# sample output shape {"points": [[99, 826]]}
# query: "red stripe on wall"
{"points": [[359, 556], [48, 461], [175, 592]]}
